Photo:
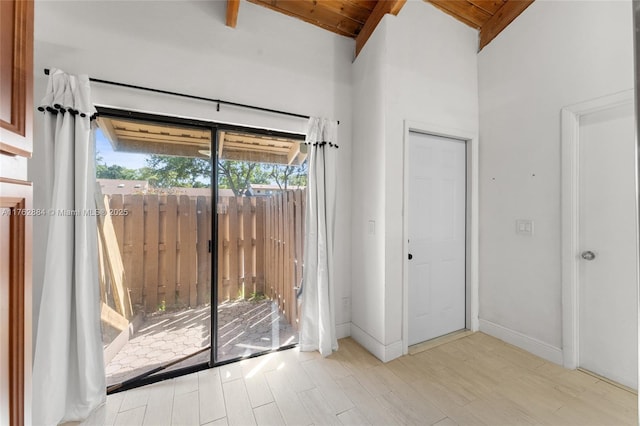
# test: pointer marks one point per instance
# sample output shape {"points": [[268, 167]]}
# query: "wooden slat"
{"points": [[290, 266], [171, 225], [233, 6], [233, 249], [134, 229], [112, 318], [162, 250], [293, 153], [268, 247], [210, 279], [151, 241], [459, 18], [114, 259], [489, 6], [183, 251], [314, 14], [260, 244], [161, 138], [463, 9], [116, 202], [281, 250], [223, 250], [192, 259], [168, 130], [381, 9], [247, 238], [503, 17], [202, 248], [221, 136], [349, 9], [299, 212], [253, 156], [237, 146]]}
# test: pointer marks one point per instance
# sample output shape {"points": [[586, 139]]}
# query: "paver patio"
{"points": [[245, 327]]}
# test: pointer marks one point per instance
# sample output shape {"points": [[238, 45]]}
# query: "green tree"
{"points": [[115, 171], [164, 171], [285, 176], [239, 175]]}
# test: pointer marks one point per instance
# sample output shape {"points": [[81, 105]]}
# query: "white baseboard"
{"points": [[343, 330], [377, 349], [529, 344]]}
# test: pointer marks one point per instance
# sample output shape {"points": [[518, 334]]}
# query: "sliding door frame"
{"points": [[214, 128]]}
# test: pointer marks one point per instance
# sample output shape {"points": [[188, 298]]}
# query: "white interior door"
{"points": [[608, 333], [437, 236]]}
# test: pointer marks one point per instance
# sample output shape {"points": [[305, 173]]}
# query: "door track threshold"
{"points": [[611, 382], [430, 344]]}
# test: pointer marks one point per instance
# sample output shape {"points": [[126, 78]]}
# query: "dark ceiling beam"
{"points": [[382, 8], [232, 12], [503, 17]]}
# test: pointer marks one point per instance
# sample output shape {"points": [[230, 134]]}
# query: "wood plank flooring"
{"points": [[475, 380]]}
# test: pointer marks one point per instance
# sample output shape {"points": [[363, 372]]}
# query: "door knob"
{"points": [[410, 256], [588, 255]]}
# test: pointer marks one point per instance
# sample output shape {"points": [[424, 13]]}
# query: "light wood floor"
{"points": [[475, 380]]}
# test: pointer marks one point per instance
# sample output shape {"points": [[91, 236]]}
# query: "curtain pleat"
{"points": [[68, 366], [318, 328]]}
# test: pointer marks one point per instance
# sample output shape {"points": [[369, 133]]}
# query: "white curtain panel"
{"points": [[318, 325], [68, 365]]}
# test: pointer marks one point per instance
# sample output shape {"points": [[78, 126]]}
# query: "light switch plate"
{"points": [[371, 228], [524, 227]]}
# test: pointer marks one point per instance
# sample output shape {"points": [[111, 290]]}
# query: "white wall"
{"points": [[555, 54], [269, 60], [419, 66]]}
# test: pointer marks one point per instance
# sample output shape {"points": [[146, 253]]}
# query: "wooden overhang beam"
{"points": [[382, 8], [502, 18], [232, 12]]}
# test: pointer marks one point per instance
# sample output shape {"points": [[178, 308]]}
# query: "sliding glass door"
{"points": [[260, 211], [154, 185], [188, 228]]}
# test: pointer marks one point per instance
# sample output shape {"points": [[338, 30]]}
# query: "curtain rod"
{"points": [[200, 98]]}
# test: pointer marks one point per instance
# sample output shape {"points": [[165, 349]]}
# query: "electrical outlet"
{"points": [[524, 227]]}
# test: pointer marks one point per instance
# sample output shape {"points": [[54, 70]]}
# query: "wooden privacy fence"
{"points": [[162, 242]]}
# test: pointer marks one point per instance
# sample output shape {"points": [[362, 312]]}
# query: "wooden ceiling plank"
{"points": [[242, 147], [366, 4], [313, 14], [347, 9], [159, 138], [459, 18], [230, 138], [233, 6], [489, 6], [257, 157], [382, 8], [498, 22], [221, 136], [293, 153], [463, 9], [155, 128]]}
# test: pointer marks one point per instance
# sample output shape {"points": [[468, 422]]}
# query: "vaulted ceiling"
{"points": [[358, 18]]}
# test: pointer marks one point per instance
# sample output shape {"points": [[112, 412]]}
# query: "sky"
{"points": [[109, 156]]}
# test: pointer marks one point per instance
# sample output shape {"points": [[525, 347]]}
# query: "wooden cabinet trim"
{"points": [[16, 137], [17, 198]]}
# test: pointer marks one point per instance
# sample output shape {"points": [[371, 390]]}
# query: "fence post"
{"points": [[171, 226], [260, 245], [151, 228], [202, 245]]}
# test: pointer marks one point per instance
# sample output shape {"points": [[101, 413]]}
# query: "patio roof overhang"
{"points": [[156, 138]]}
